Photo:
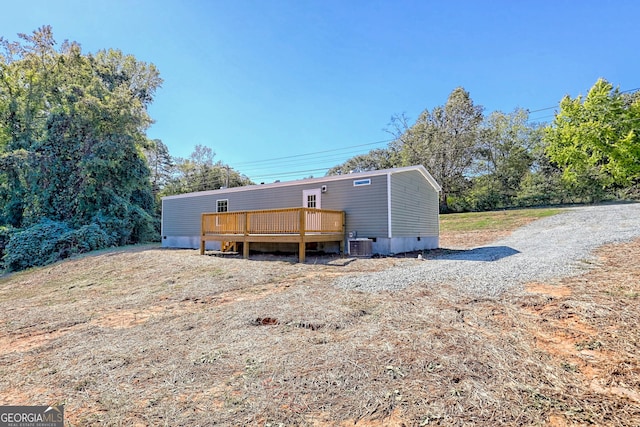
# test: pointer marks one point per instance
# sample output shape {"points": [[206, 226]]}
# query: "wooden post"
{"points": [[202, 242], [344, 226], [245, 244], [245, 249], [302, 247]]}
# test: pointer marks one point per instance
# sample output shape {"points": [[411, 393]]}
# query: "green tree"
{"points": [[381, 158], [595, 140], [161, 165], [72, 134], [444, 140], [504, 158], [199, 172]]}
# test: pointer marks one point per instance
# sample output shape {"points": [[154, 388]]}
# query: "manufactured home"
{"points": [[385, 211]]}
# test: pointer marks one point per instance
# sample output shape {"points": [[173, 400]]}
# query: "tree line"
{"points": [[589, 153], [78, 172]]}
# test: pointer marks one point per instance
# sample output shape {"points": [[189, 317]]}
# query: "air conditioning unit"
{"points": [[360, 247]]}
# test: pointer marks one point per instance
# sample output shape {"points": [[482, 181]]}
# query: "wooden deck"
{"points": [[291, 225]]}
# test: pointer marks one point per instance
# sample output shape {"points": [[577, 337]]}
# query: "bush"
{"points": [[50, 241], [85, 239], [5, 234]]}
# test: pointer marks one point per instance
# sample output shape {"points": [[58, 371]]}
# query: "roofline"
{"points": [[323, 179]]}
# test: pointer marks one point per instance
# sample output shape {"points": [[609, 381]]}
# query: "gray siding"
{"points": [[365, 206], [414, 206]]}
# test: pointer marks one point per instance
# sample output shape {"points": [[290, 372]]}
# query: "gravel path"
{"points": [[550, 248]]}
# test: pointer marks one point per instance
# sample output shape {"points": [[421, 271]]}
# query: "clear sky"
{"points": [[282, 89]]}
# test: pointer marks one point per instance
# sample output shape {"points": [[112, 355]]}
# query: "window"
{"points": [[360, 182], [311, 201], [223, 205]]}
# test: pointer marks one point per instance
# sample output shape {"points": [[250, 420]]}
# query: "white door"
{"points": [[311, 199]]}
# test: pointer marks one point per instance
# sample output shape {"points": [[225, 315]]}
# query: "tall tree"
{"points": [[444, 140], [199, 172], [161, 167], [596, 140], [504, 157], [381, 158], [72, 133]]}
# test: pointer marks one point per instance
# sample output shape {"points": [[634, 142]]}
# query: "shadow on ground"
{"points": [[485, 253]]}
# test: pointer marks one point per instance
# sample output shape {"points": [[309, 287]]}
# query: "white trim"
{"points": [[361, 182], [162, 220], [389, 204], [320, 181], [314, 191]]}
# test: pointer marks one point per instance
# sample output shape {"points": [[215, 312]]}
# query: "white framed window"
{"points": [[312, 200]]}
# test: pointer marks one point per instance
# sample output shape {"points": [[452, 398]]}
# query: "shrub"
{"points": [[50, 241], [5, 234], [85, 239]]}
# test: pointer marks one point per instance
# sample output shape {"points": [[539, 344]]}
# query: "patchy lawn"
{"points": [[146, 336]]}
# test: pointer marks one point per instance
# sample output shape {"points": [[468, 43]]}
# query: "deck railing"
{"points": [[273, 225], [273, 221]]}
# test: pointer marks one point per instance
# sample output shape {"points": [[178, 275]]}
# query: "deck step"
{"points": [[229, 247]]}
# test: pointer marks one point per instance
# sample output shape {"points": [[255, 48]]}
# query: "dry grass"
{"points": [[159, 337]]}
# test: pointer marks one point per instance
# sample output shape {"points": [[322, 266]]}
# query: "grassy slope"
{"points": [[151, 337], [496, 220]]}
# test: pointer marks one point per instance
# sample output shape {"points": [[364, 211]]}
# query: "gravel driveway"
{"points": [[547, 249]]}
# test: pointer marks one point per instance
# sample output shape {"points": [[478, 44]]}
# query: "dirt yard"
{"points": [[145, 336]]}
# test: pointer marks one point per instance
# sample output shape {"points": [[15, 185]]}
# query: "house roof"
{"points": [[321, 180]]}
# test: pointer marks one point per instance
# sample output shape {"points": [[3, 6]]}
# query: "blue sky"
{"points": [[282, 89]]}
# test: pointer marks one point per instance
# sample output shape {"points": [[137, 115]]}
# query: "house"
{"points": [[396, 210]]}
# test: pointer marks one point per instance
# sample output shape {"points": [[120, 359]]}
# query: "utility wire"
{"points": [[334, 156], [307, 162], [312, 153], [558, 104]]}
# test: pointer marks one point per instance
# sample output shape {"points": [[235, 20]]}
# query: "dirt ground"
{"points": [[145, 336]]}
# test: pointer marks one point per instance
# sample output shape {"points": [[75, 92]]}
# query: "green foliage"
{"points": [[200, 173], [505, 156], [49, 241], [596, 141], [72, 134], [85, 239], [374, 160], [5, 234], [444, 140], [486, 194], [161, 167]]}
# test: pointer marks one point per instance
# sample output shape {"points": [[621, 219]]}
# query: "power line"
{"points": [[293, 173], [541, 109], [334, 156], [558, 104], [313, 153], [260, 170]]}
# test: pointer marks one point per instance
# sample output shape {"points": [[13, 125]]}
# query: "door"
{"points": [[312, 199]]}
